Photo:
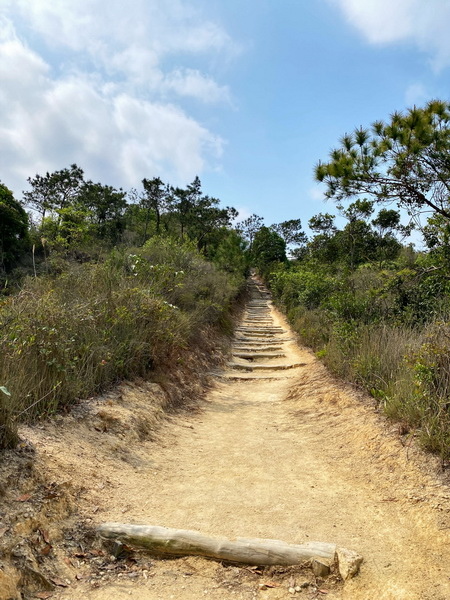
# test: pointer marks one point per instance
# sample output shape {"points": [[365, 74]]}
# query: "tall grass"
{"points": [[355, 330], [71, 336]]}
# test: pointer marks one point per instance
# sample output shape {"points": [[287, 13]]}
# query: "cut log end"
{"points": [[251, 551]]}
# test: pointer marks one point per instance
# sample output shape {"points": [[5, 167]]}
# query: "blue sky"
{"points": [[248, 95]]}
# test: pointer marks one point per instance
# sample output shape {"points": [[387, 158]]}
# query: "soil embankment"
{"points": [[278, 450]]}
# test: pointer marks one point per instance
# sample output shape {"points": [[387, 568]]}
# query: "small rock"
{"points": [[321, 567], [348, 563], [292, 590]]}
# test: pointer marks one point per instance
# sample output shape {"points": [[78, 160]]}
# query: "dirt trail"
{"points": [[279, 450]]}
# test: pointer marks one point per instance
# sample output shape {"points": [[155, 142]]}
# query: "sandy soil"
{"points": [[281, 453]]}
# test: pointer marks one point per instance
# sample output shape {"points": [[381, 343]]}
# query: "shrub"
{"points": [[71, 336], [431, 367]]}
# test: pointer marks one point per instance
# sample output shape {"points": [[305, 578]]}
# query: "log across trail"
{"points": [[282, 451]]}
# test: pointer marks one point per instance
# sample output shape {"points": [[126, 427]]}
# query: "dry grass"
{"points": [[72, 336]]}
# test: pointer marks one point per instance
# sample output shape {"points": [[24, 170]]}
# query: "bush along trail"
{"points": [[277, 450]]}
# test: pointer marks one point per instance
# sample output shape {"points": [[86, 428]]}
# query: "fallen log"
{"points": [[250, 551]]}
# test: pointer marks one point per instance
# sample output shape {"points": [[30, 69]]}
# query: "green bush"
{"points": [[71, 336]]}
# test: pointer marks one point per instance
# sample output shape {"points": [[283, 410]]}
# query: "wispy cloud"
{"points": [[416, 93], [317, 193], [105, 88], [386, 22]]}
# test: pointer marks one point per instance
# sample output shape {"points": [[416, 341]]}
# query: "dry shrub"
{"points": [[72, 336]]}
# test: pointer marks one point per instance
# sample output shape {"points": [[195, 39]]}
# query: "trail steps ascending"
{"points": [[259, 345]]}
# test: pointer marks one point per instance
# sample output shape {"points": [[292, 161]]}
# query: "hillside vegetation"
{"points": [[100, 289], [100, 285], [375, 310]]}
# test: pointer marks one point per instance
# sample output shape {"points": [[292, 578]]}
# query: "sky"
{"points": [[247, 94]]}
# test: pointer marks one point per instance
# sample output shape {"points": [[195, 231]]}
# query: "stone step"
{"points": [[251, 377], [260, 336], [257, 355], [261, 329], [256, 367], [257, 348], [261, 339], [254, 319]]}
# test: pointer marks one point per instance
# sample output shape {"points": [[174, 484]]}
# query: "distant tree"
{"points": [[207, 217], [387, 221], [184, 202], [155, 198], [105, 208], [406, 159], [436, 234], [322, 224], [357, 241], [54, 190], [228, 251], [292, 234], [290, 231], [249, 227], [323, 246], [13, 228], [268, 247], [69, 231]]}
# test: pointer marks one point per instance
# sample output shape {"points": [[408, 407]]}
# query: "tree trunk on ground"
{"points": [[180, 542]]}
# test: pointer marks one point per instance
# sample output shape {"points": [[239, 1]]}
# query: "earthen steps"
{"points": [[258, 355], [261, 367]]}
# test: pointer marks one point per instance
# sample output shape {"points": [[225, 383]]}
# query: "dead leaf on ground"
{"points": [[255, 570], [43, 595], [45, 536], [46, 549], [270, 584], [3, 530], [23, 498]]}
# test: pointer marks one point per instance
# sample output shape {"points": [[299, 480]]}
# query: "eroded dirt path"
{"points": [[279, 450]]}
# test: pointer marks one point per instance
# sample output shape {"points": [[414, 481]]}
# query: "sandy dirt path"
{"points": [[283, 453]]}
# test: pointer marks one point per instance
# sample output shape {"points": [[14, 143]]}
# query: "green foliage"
{"points": [[368, 325], [54, 190], [13, 229], [68, 228], [228, 252], [68, 337], [249, 228], [156, 199], [268, 248], [291, 231], [303, 285], [104, 208], [405, 159]]}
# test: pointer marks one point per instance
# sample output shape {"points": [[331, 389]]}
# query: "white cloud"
{"points": [[416, 93], [386, 21], [131, 37], [192, 83], [317, 193], [244, 213], [88, 85]]}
